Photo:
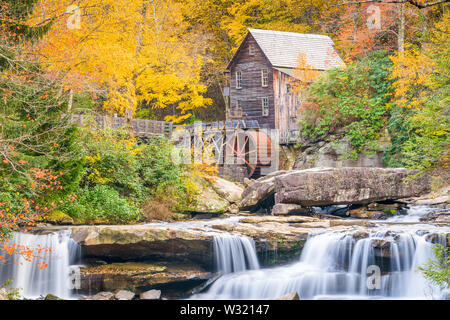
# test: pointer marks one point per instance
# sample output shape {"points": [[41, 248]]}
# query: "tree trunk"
{"points": [[69, 108], [401, 28]]}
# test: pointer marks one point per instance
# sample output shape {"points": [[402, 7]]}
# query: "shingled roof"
{"points": [[282, 49]]}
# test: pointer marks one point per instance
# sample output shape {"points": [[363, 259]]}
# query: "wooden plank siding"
{"points": [[251, 95], [286, 103]]}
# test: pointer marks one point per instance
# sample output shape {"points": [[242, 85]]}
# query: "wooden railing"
{"points": [[141, 127]]}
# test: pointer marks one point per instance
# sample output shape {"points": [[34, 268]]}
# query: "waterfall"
{"points": [[235, 254], [61, 257], [340, 266]]}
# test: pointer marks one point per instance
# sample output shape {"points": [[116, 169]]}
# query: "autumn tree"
{"points": [[36, 139], [138, 53], [420, 124]]}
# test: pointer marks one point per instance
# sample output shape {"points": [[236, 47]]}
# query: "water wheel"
{"points": [[251, 149]]}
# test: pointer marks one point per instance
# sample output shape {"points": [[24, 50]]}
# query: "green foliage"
{"points": [[37, 139], [419, 137], [101, 203], [120, 171], [436, 270], [13, 293], [420, 121], [352, 99]]}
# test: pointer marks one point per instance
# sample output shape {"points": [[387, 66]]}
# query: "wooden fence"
{"points": [[141, 127]]}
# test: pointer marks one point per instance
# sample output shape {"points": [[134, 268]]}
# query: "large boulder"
{"points": [[328, 186], [259, 191], [138, 242], [228, 190]]}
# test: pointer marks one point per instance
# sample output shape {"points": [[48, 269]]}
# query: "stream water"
{"points": [[382, 264], [235, 254], [376, 263], [61, 256], [338, 266]]}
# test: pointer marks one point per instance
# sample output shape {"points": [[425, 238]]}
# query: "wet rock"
{"points": [[362, 223], [282, 209], [363, 213], [290, 296], [387, 207], [279, 219], [142, 276], [443, 218], [3, 294], [358, 235], [328, 186], [51, 297], [248, 182], [275, 242], [103, 296], [233, 209], [228, 190], [151, 295], [436, 238], [258, 192], [132, 242], [124, 295], [318, 224], [382, 247]]}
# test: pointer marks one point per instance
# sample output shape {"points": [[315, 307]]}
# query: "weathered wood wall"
{"points": [[250, 96], [286, 103]]}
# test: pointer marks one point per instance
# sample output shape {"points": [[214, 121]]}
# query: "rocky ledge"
{"points": [[333, 186], [175, 280], [141, 242]]}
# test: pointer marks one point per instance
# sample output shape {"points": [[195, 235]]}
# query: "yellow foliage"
{"points": [[137, 51], [414, 68]]}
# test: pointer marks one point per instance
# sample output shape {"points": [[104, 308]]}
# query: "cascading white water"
{"points": [[335, 265], [63, 253], [235, 253]]}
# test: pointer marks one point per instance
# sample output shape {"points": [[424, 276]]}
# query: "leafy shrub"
{"points": [[128, 172], [100, 203], [436, 270], [354, 99]]}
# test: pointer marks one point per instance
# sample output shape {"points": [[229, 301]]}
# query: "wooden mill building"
{"points": [[263, 72]]}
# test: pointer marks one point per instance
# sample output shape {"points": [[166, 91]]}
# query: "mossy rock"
{"points": [[58, 217], [51, 297]]}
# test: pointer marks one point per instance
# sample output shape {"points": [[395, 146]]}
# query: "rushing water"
{"points": [[62, 255], [341, 266], [377, 263], [235, 253]]}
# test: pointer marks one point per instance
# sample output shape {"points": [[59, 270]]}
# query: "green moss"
{"points": [[58, 217]]}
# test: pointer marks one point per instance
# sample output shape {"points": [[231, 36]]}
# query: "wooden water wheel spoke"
{"points": [[247, 153], [245, 148], [245, 144]]}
